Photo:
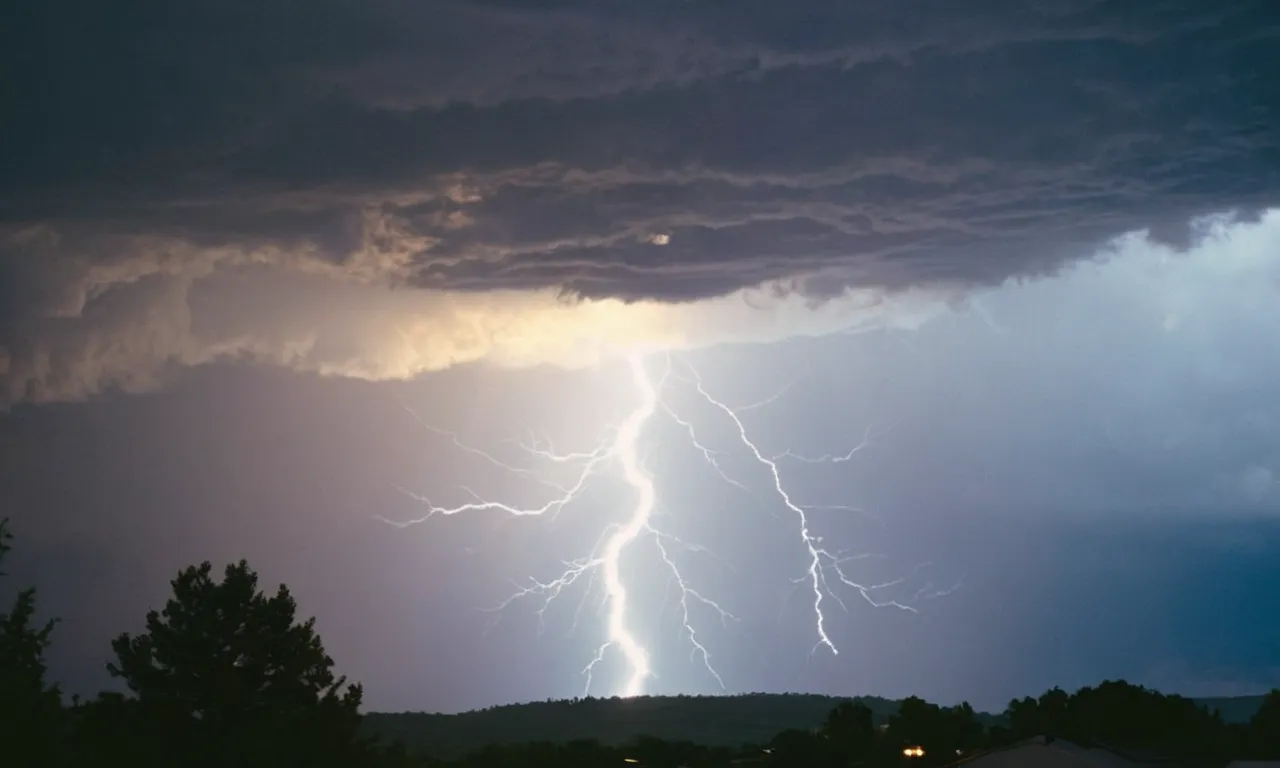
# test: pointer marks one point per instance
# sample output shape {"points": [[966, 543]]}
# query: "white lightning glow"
{"points": [[625, 446], [825, 570]]}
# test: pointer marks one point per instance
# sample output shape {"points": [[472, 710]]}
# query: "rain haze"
{"points": [[871, 348]]}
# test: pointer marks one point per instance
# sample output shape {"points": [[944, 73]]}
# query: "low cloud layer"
{"points": [[383, 188]]}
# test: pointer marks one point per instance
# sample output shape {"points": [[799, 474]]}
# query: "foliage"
{"points": [[944, 734], [1123, 716], [1263, 734], [30, 708], [850, 732], [224, 672]]}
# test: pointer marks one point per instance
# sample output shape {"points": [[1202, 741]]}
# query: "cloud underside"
{"points": [[358, 192]]}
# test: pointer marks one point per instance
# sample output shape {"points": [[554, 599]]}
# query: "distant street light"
{"points": [[913, 752]]}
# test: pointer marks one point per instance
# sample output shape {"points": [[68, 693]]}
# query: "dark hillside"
{"points": [[709, 720]]}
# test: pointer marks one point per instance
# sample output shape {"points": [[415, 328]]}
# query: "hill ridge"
{"points": [[713, 720]]}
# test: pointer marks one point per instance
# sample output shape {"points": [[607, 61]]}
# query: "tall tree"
{"points": [[851, 732], [224, 675], [917, 723], [1264, 728], [1024, 717], [1054, 708], [30, 708], [963, 732], [1122, 715]]}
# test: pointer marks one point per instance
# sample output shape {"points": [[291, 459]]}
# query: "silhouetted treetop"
{"points": [[30, 708], [1121, 715], [218, 645], [1264, 728], [230, 666]]}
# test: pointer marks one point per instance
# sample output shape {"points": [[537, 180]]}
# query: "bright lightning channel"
{"points": [[625, 446], [622, 446]]}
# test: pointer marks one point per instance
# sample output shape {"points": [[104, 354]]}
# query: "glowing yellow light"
{"points": [[630, 760], [913, 752]]}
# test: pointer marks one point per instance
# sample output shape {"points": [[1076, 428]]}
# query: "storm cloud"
{"points": [[380, 188]]}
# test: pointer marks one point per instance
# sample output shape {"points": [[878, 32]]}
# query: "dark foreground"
{"points": [[713, 721], [225, 676]]}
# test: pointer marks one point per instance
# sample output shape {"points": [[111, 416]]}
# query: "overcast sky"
{"points": [[271, 279]]}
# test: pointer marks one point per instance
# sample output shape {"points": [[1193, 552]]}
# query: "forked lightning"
{"points": [[825, 570]]}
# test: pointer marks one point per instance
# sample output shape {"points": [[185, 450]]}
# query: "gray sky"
{"points": [[1026, 253]]}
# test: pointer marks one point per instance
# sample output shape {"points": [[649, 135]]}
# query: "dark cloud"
{"points": [[485, 146]]}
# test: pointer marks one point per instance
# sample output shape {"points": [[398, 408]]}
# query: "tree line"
{"points": [[226, 675]]}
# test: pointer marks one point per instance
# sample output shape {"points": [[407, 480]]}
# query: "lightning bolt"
{"points": [[821, 561], [824, 570], [625, 447]]}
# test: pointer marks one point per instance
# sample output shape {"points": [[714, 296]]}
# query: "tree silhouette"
{"points": [[944, 734], [797, 747], [850, 731], [30, 709], [1023, 716], [1120, 715], [1055, 713], [916, 723], [225, 676], [1264, 728], [961, 730]]}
